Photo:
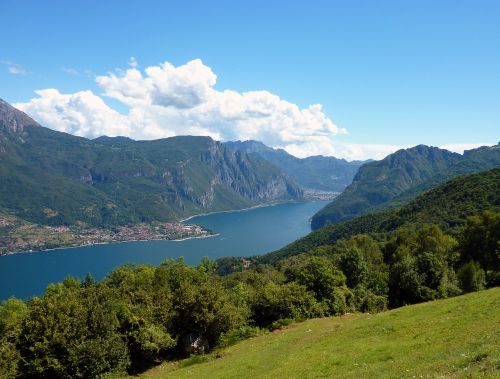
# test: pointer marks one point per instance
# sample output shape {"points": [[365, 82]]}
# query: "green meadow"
{"points": [[451, 338]]}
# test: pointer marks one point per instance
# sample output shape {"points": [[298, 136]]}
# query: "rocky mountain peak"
{"points": [[13, 119]]}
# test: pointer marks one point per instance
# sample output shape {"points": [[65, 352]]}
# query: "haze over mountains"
{"points": [[316, 172]]}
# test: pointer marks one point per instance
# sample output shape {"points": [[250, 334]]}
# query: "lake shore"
{"points": [[31, 238], [69, 238], [243, 209], [25, 275]]}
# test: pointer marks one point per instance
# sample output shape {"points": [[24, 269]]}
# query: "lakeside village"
{"points": [[17, 237]]}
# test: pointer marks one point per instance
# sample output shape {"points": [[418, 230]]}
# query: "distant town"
{"points": [[17, 237], [313, 194]]}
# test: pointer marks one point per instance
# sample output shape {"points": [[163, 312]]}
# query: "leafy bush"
{"points": [[367, 301], [72, 333], [471, 277], [280, 301]]}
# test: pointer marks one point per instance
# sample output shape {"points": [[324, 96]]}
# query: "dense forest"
{"points": [[139, 315]]}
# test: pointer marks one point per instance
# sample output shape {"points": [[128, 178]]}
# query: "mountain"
{"points": [[448, 205], [400, 177], [54, 178], [316, 173]]}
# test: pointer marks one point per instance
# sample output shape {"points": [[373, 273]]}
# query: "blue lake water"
{"points": [[243, 233]]}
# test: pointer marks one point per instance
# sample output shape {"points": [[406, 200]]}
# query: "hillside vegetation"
{"points": [[140, 314], [447, 205], [402, 176], [54, 178], [453, 338]]}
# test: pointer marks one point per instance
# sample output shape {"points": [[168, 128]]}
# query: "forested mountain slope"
{"points": [[400, 177], [55, 178], [447, 205]]}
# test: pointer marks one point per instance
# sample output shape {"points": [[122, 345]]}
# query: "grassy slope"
{"points": [[458, 337]]}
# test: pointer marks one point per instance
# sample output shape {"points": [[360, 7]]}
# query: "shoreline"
{"points": [[244, 209], [103, 243], [160, 239]]}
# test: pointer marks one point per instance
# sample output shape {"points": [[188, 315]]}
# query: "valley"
{"points": [[233, 189]]}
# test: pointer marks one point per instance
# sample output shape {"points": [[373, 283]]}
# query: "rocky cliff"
{"points": [[54, 178]]}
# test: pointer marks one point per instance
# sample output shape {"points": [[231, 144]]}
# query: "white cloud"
{"points": [[82, 113], [165, 100]]}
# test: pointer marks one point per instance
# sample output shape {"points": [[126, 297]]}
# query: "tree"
{"points": [[471, 277], [354, 267], [480, 241], [275, 302], [404, 283], [200, 302], [12, 313], [72, 333]]}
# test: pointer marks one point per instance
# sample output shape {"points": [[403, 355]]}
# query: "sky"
{"points": [[353, 79]]}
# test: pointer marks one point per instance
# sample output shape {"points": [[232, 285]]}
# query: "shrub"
{"points": [[281, 301], [72, 333], [471, 277], [367, 301]]}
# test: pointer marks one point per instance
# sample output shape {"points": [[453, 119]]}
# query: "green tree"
{"points": [[480, 240], [12, 313], [275, 302], [404, 283], [471, 277], [72, 333], [353, 265], [319, 275], [200, 302]]}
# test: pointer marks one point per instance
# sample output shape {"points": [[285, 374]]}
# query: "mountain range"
{"points": [[400, 177], [54, 178], [314, 173]]}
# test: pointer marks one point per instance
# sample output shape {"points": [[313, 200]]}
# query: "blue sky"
{"points": [[391, 73]]}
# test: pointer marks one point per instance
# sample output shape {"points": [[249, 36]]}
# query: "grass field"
{"points": [[453, 338]]}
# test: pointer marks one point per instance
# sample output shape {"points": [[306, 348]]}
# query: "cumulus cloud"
{"points": [[81, 113], [166, 100]]}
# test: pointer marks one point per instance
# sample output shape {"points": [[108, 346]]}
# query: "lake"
{"points": [[240, 233]]}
